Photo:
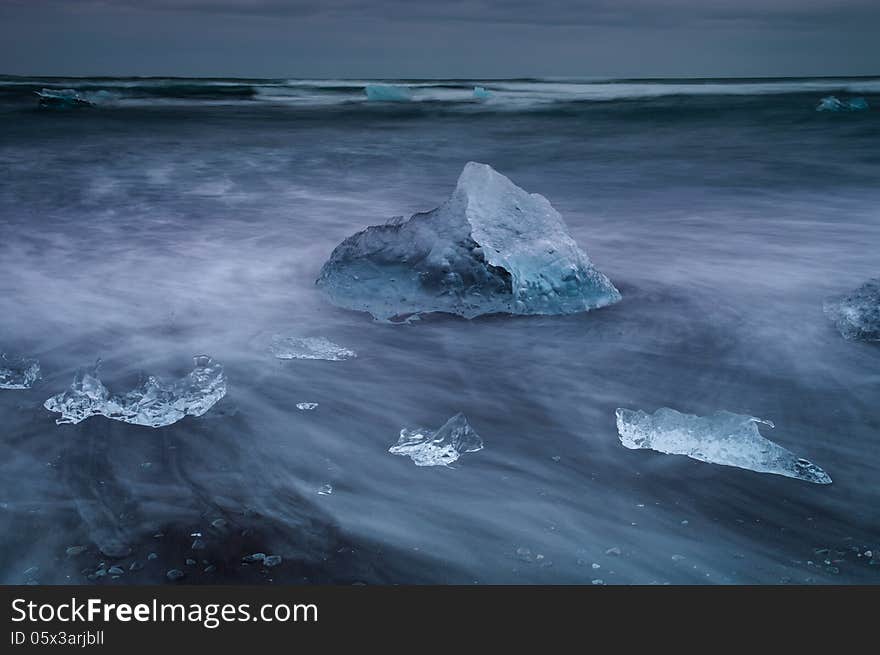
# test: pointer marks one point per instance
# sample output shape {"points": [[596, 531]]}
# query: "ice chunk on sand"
{"points": [[18, 372], [387, 93], [482, 93], [305, 407], [857, 315], [723, 438], [832, 103], [440, 448], [153, 403], [491, 248], [309, 348]]}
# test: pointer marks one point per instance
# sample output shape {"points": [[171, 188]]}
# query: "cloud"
{"points": [[548, 12]]}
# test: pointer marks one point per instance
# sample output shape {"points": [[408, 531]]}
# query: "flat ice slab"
{"points": [[18, 372], [723, 438], [491, 248], [309, 348], [857, 314], [153, 403], [441, 447]]}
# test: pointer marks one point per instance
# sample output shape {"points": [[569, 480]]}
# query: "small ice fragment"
{"points": [[613, 551], [306, 406], [115, 570], [858, 104], [175, 574], [325, 490], [114, 549], [387, 93], [255, 557], [723, 438], [596, 566], [598, 581], [271, 561], [491, 248], [857, 314], [17, 372], [73, 551], [677, 558], [440, 448], [482, 93], [153, 403], [309, 348]]}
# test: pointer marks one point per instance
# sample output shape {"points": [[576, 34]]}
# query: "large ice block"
{"points": [[491, 248]]}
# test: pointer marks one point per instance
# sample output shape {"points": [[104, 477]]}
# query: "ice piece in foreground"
{"points": [[832, 103], [491, 248], [18, 372], [306, 407], [857, 315], [723, 438], [309, 348], [153, 403], [440, 448], [482, 93], [387, 93]]}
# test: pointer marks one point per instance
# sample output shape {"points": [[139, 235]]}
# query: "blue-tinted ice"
{"points": [[723, 438], [482, 93], [833, 103], [387, 93], [440, 448], [153, 403], [18, 372], [857, 314], [491, 248]]}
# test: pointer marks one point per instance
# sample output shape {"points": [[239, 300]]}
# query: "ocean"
{"points": [[180, 217]]}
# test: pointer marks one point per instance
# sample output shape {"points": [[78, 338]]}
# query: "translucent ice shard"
{"points": [[723, 438], [491, 248], [832, 103], [440, 448], [305, 407], [17, 372], [857, 315], [309, 348], [387, 93], [482, 93], [153, 403]]}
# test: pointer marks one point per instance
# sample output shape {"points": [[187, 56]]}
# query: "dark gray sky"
{"points": [[455, 38]]}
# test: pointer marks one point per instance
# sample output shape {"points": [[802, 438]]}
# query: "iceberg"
{"points": [[723, 438], [491, 248], [482, 93], [832, 103], [309, 348], [153, 403], [62, 99], [387, 93], [18, 372], [440, 448], [857, 315]]}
